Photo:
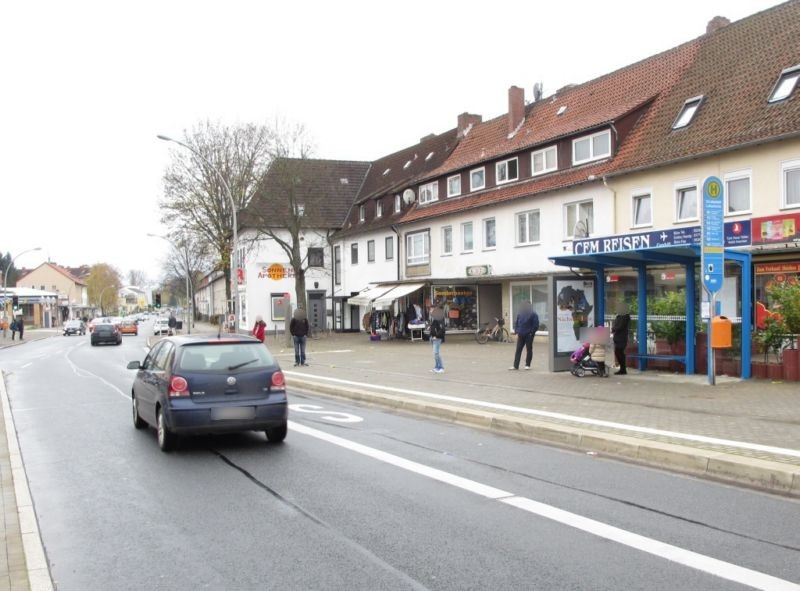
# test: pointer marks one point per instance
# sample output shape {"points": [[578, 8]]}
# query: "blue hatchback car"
{"points": [[201, 384]]}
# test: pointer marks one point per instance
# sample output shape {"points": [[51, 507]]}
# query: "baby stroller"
{"points": [[582, 362]]}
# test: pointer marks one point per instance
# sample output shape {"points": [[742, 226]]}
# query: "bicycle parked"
{"points": [[495, 333]]}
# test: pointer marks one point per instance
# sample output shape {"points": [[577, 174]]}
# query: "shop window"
{"points": [[460, 305], [535, 293], [737, 193], [643, 209]]}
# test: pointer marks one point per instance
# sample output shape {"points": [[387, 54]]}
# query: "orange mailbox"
{"points": [[721, 332]]}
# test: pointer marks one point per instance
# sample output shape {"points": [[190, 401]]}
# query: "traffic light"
{"points": [[15, 300], [158, 300]]}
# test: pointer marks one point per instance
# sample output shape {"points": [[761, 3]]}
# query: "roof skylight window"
{"points": [[786, 83], [407, 164], [387, 171], [562, 109], [687, 112], [429, 156]]}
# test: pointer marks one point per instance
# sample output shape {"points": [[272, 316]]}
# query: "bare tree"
{"points": [[195, 201], [103, 285], [191, 254], [137, 277]]}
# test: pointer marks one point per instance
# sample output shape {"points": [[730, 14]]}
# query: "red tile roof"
{"points": [[55, 267]]}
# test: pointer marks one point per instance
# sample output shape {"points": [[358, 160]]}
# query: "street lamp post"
{"points": [[233, 277], [101, 298], [8, 268], [188, 296]]}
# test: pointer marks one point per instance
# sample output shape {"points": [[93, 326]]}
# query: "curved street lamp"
{"points": [[8, 268], [101, 298], [188, 296], [232, 274]]}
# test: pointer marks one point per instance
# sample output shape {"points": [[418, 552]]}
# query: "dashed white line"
{"points": [[556, 415], [701, 562], [27, 365]]}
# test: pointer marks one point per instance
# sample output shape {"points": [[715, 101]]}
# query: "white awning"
{"points": [[370, 294], [398, 291]]}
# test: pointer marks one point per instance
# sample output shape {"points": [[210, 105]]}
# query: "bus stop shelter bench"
{"points": [[679, 358]]}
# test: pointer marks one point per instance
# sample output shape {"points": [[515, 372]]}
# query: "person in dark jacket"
{"points": [[20, 327], [299, 329], [172, 323], [525, 325], [619, 333]]}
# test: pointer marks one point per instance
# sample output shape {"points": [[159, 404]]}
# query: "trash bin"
{"points": [[179, 325], [721, 332]]}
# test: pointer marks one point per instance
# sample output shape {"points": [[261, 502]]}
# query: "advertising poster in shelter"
{"points": [[574, 310]]}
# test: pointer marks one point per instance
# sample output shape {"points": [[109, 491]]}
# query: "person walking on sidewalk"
{"points": [[619, 334], [172, 323], [259, 330], [525, 325], [437, 337], [299, 329], [20, 327], [13, 328]]}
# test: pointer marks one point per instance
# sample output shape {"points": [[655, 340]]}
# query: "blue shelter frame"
{"points": [[688, 256]]}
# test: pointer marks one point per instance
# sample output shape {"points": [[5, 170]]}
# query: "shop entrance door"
{"points": [[490, 304]]}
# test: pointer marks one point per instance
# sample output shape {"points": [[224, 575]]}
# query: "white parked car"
{"points": [[161, 326]]}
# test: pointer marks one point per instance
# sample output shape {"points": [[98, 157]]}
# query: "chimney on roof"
{"points": [[716, 23], [516, 107], [430, 136], [466, 121]]}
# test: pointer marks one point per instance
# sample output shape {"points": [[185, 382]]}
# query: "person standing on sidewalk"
{"points": [[13, 328], [437, 337], [172, 323], [299, 328], [20, 327], [259, 330], [619, 333], [525, 325]]}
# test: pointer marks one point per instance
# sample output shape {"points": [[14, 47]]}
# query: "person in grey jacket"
{"points": [[525, 325]]}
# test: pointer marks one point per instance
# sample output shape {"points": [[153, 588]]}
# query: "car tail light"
{"points": [[278, 381], [178, 386]]}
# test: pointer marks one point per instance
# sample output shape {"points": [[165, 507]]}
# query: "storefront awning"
{"points": [[369, 295], [398, 291], [631, 258]]}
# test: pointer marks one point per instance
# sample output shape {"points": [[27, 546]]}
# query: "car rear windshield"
{"points": [[104, 328], [225, 357]]}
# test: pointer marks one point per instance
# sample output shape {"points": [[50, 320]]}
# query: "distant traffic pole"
{"points": [[188, 296], [5, 275], [233, 275]]}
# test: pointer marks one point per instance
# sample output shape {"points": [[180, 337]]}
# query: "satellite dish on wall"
{"points": [[409, 196]]}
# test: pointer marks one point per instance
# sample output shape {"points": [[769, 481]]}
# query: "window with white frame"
{"points": [[389, 248], [591, 147], [337, 265], [579, 219], [528, 227], [785, 85], [543, 161], [686, 203], [429, 192], [370, 251], [489, 233], [687, 112], [506, 171], [418, 248], [477, 179], [354, 253], [397, 203], [454, 185], [466, 237], [737, 193], [790, 183], [379, 209], [642, 209], [447, 240], [362, 213]]}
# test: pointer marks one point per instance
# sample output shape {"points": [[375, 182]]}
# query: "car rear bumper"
{"points": [[188, 418], [106, 340]]}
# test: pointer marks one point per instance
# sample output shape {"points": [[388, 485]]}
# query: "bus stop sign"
{"points": [[713, 243]]}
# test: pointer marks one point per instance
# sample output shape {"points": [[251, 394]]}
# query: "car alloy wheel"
{"points": [[138, 423], [166, 440]]}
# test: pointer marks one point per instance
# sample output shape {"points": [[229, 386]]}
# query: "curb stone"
{"points": [[765, 475]]}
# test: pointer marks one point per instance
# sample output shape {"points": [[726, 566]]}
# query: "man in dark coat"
{"points": [[525, 325], [299, 329], [619, 332]]}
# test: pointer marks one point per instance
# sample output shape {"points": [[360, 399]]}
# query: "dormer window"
{"points": [[687, 112], [362, 213], [543, 161], [429, 192], [591, 147], [506, 171], [785, 85], [397, 203], [379, 209], [454, 185], [477, 179]]}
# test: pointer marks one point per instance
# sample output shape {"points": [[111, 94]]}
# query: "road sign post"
{"points": [[712, 261]]}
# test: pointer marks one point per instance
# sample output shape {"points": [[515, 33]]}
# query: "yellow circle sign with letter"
{"points": [[714, 189]]}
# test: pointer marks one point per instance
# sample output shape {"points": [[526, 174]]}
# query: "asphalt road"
{"points": [[358, 498]]}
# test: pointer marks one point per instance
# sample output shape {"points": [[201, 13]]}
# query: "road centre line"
{"points": [[556, 415], [27, 365], [707, 564], [77, 371]]}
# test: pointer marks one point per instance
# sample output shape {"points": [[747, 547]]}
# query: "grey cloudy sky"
{"points": [[86, 86]]}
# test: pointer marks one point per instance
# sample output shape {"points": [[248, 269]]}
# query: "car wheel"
{"points": [[166, 438], [138, 422], [277, 434]]}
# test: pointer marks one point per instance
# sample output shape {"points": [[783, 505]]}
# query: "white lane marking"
{"points": [[335, 416], [469, 485], [77, 371], [27, 365], [714, 566], [556, 415]]}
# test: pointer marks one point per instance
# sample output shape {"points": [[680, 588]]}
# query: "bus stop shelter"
{"points": [[686, 255]]}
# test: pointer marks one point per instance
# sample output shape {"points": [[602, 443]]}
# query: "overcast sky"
{"points": [[86, 86]]}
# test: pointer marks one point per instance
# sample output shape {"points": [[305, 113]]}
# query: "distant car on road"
{"points": [[74, 327], [192, 385], [106, 333], [161, 326], [129, 327]]}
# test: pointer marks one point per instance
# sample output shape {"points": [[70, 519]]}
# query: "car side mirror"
{"points": [[134, 365]]}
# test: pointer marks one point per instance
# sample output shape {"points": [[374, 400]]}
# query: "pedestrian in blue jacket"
{"points": [[525, 325]]}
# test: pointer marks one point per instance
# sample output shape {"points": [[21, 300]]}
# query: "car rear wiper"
{"points": [[242, 364]]}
